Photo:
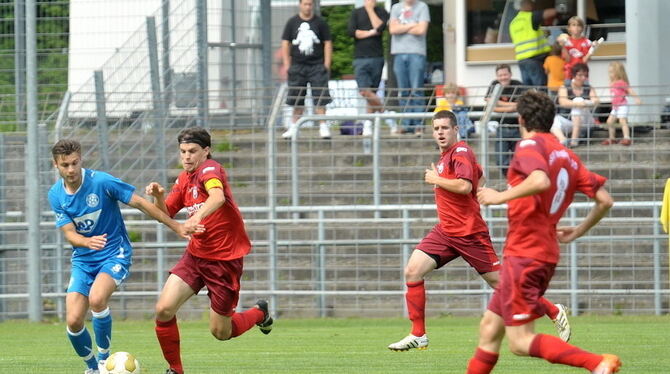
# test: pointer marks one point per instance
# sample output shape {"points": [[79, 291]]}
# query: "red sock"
{"points": [[482, 362], [416, 305], [244, 321], [168, 338], [552, 310], [557, 351]]}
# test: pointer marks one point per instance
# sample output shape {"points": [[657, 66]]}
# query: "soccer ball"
{"points": [[121, 363]]}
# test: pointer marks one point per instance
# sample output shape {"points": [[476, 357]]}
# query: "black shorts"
{"points": [[368, 71], [298, 77]]}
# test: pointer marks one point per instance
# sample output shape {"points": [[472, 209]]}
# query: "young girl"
{"points": [[619, 89]]}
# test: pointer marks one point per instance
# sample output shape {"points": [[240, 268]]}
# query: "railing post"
{"points": [[657, 265], [484, 129], [321, 265], [376, 173], [101, 111], [201, 83], [405, 254], [295, 175], [574, 268]]}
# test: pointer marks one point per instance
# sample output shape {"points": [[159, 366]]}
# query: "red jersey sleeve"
{"points": [[463, 168], [528, 157], [174, 201], [589, 182], [209, 172]]}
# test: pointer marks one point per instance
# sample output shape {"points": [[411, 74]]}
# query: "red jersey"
{"points": [[225, 237], [533, 219], [576, 49], [459, 214]]}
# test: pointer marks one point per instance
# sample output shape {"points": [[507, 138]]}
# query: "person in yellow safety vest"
{"points": [[530, 45]]}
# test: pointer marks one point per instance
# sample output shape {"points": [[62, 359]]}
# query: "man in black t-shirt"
{"points": [[507, 132], [366, 26], [307, 50]]}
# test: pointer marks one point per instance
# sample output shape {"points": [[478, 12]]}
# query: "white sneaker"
{"points": [[409, 342], [367, 128], [324, 130], [292, 129], [562, 324]]}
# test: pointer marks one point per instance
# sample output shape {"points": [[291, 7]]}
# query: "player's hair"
{"points": [[503, 66], [448, 114], [196, 135], [619, 71], [578, 20], [65, 147], [537, 110], [579, 68]]}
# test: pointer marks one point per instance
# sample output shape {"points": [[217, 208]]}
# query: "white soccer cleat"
{"points": [[367, 128], [324, 130], [409, 342], [92, 371], [562, 324], [292, 129]]}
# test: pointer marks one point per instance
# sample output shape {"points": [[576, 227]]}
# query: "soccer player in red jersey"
{"points": [[460, 232], [212, 258], [543, 178]]}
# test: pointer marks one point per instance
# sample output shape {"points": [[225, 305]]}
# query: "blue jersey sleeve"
{"points": [[62, 218], [118, 189]]}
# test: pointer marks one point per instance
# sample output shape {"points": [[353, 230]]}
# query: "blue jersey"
{"points": [[94, 210]]}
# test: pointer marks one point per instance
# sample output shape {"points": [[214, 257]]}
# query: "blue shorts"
{"points": [[368, 71], [84, 273]]}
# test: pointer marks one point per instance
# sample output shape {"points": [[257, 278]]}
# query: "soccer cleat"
{"points": [[409, 342], [324, 130], [610, 364], [562, 324], [92, 371], [266, 324], [171, 371]]}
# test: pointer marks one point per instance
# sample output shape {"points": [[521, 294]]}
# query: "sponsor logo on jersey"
{"points": [[86, 223], [527, 142], [194, 192], [440, 168], [209, 168], [92, 200], [461, 149]]}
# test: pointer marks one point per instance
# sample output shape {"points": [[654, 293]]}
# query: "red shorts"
{"points": [[222, 279], [476, 249], [523, 282]]}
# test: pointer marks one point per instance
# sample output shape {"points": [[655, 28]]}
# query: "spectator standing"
{"points": [[408, 26], [619, 88], [530, 45], [366, 26], [576, 48], [307, 51], [553, 66], [507, 132]]}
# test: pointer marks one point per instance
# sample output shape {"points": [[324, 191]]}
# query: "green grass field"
{"points": [[336, 346]]}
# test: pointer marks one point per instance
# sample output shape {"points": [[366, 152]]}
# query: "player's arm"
{"points": [[214, 201], [158, 192], [459, 186], [603, 204], [535, 183], [161, 216], [77, 240]]}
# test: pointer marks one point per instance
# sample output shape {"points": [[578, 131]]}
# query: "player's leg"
{"points": [[76, 305], [491, 333], [174, 294], [418, 265], [102, 289]]}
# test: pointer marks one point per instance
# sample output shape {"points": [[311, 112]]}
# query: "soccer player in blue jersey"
{"points": [[87, 211]]}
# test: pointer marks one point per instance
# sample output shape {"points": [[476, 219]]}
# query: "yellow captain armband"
{"points": [[213, 183]]}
